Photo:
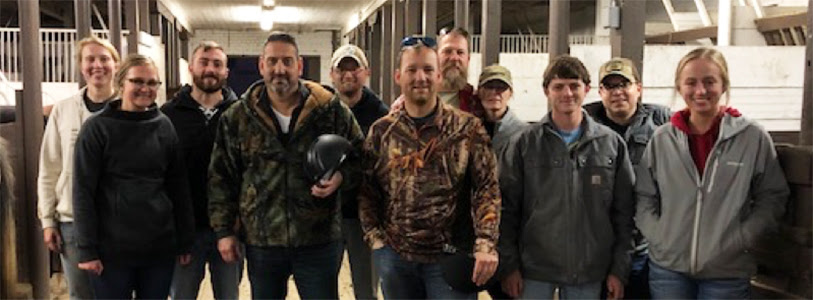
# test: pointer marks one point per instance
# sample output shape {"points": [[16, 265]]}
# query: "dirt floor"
{"points": [[59, 290]]}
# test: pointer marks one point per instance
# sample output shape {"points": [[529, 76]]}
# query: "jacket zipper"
{"points": [[699, 200]]}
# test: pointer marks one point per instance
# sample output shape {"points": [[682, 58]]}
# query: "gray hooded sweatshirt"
{"points": [[703, 226]]}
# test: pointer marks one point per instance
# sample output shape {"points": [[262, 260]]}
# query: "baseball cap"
{"points": [[351, 51], [618, 66], [495, 72]]}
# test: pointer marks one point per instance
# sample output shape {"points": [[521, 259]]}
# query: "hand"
{"points": [[378, 244], [52, 239], [615, 289], [229, 249], [485, 264], [94, 267], [326, 187], [512, 284], [397, 105], [184, 259]]}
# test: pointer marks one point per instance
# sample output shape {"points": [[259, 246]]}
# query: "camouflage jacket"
{"points": [[414, 181], [255, 177]]}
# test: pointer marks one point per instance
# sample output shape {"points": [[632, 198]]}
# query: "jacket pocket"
{"points": [[143, 214], [598, 178]]}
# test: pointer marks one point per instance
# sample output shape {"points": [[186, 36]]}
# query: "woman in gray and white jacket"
{"points": [[709, 185]]}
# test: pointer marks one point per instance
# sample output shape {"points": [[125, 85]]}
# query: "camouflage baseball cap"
{"points": [[351, 51], [619, 66], [495, 72]]}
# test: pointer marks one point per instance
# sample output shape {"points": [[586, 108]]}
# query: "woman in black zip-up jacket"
{"points": [[132, 208]]}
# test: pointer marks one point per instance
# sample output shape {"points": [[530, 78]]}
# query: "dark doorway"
{"points": [[243, 71]]}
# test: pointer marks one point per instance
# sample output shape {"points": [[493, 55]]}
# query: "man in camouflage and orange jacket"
{"points": [[420, 165]]}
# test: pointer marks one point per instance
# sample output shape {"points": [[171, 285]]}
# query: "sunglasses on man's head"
{"points": [[411, 41]]}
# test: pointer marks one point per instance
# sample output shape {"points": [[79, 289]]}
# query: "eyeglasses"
{"points": [[140, 83], [498, 87], [617, 86], [414, 40]]}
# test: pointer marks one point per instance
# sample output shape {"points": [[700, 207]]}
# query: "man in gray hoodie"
{"points": [[567, 186]]}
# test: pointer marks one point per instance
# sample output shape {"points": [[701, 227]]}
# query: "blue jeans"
{"points": [[668, 284], [315, 270], [402, 279], [225, 277], [79, 286], [143, 282], [365, 279], [533, 289]]}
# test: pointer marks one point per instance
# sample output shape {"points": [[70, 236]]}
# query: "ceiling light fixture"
{"points": [[267, 19], [268, 3]]}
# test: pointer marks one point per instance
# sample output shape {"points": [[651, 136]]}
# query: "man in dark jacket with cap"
{"points": [[349, 72], [195, 111], [621, 109]]}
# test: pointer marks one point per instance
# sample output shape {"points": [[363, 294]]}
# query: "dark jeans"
{"points": [[402, 279], [668, 284], [224, 277], [140, 282], [315, 270]]}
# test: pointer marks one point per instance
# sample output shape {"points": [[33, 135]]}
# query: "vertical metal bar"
{"points": [[376, 76], [32, 122], [559, 16]]}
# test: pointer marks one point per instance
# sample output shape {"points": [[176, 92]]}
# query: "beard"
{"points": [[348, 88], [200, 83], [454, 77], [280, 84]]}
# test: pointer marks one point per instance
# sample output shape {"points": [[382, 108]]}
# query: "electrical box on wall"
{"points": [[613, 17]]}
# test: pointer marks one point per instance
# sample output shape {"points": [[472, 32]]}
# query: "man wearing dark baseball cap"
{"points": [[494, 91], [621, 109]]}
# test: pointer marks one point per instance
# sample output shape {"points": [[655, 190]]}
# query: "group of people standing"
{"points": [[613, 199]]}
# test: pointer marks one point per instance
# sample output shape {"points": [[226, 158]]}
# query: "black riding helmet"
{"points": [[325, 155]]}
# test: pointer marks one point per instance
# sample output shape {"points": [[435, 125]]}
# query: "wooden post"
{"points": [[82, 17], [374, 57], [398, 12], [413, 18], [490, 39], [461, 14], [32, 122], [114, 15], [386, 52], [430, 17], [132, 18], [559, 16], [806, 132], [628, 40]]}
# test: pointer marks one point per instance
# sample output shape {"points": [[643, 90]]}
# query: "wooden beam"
{"points": [[490, 37], [461, 14], [670, 11], [806, 134], [374, 57], [387, 52], [704, 13], [683, 36], [33, 124], [628, 40], [430, 17], [779, 22], [132, 19], [114, 17], [559, 18], [412, 22]]}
